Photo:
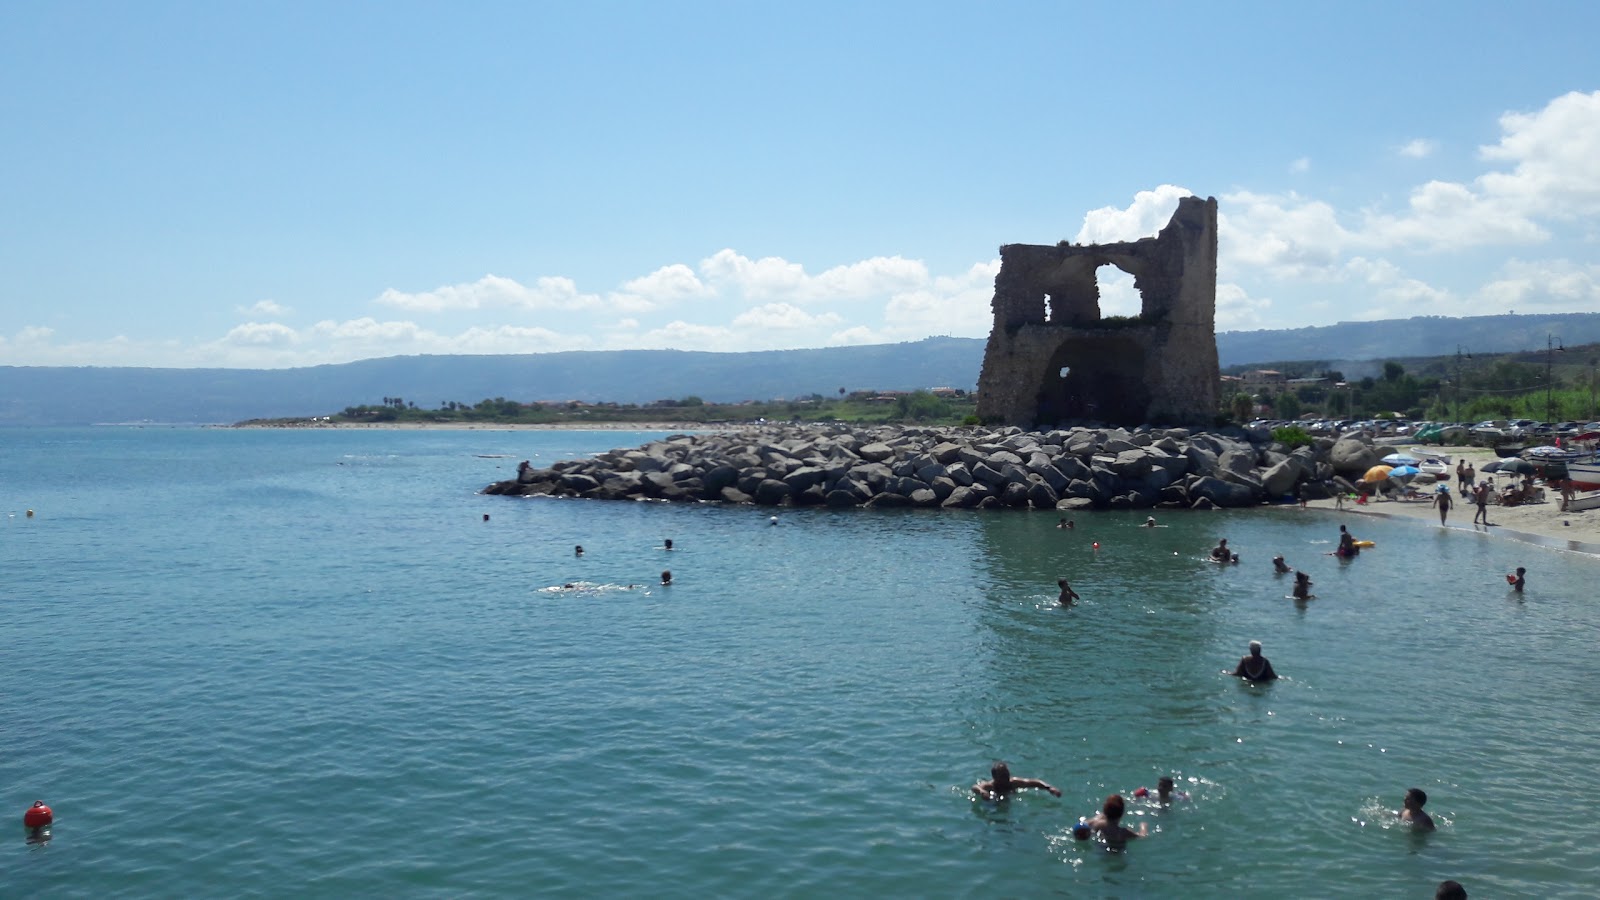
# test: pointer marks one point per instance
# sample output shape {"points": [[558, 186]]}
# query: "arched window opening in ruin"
{"points": [[1118, 295]]}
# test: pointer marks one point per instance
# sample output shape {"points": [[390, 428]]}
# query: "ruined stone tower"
{"points": [[1051, 357]]}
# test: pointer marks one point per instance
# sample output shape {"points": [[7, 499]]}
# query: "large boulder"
{"points": [[1351, 456], [1280, 479], [1222, 493]]}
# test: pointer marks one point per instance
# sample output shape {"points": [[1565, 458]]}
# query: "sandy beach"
{"points": [[1540, 522]]}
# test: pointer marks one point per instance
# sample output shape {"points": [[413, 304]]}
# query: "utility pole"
{"points": [[1459, 353], [1551, 345]]}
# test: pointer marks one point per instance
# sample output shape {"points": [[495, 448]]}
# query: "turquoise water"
{"points": [[272, 663]]}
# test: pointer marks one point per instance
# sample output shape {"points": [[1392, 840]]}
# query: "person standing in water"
{"points": [[1000, 784], [1279, 566], [1254, 667], [1412, 814], [1519, 580], [1067, 593], [1302, 586], [1108, 823]]}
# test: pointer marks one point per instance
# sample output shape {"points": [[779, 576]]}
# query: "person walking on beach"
{"points": [[1001, 783], [1472, 475], [1067, 593], [1461, 474], [1480, 496], [1254, 667], [1441, 500]]}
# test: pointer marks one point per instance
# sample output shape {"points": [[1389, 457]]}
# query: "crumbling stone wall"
{"points": [[1159, 367]]}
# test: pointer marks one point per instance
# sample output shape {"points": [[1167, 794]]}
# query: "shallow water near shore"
{"points": [[275, 662]]}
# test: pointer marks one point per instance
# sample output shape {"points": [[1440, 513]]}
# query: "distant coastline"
{"points": [[486, 426]]}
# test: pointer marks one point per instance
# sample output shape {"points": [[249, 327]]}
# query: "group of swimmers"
{"points": [[1107, 823], [666, 574]]}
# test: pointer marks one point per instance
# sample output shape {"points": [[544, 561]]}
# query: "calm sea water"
{"points": [[271, 663]]}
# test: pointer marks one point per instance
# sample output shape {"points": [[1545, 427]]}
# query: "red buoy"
{"points": [[37, 815]]}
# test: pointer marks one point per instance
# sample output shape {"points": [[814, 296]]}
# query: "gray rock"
{"points": [[876, 452], [1014, 495], [1042, 496], [962, 497], [1222, 493], [840, 499], [771, 492], [1353, 457], [1280, 479]]}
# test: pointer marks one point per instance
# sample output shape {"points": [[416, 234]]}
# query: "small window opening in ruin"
{"points": [[1118, 296]]}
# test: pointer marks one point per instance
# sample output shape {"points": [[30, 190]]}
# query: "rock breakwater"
{"points": [[893, 466]]}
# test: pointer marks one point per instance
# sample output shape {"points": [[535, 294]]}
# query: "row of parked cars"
{"points": [[1489, 432]]}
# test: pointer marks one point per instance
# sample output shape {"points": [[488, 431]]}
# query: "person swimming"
{"points": [[1279, 566], [1150, 522], [1165, 793], [1000, 784], [666, 577], [1221, 553]]}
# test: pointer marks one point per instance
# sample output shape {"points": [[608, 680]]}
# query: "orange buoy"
{"points": [[37, 815]]}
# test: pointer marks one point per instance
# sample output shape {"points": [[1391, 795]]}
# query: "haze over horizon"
{"points": [[296, 184]]}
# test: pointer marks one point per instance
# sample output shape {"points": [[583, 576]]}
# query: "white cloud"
{"points": [[1545, 286], [1418, 148], [681, 335], [493, 292], [1555, 154], [858, 335], [34, 334], [1303, 164], [258, 334], [1148, 214], [1282, 235], [776, 279], [782, 316], [1237, 310], [264, 308]]}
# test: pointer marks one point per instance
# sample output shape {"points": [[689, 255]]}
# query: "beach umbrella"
{"points": [[1491, 466], [1400, 459], [1519, 466], [1404, 473], [1377, 474]]}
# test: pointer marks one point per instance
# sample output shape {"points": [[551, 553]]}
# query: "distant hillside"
{"points": [[66, 396], [1414, 337]]}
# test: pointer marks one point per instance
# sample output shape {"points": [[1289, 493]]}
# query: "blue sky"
{"points": [[258, 184]]}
